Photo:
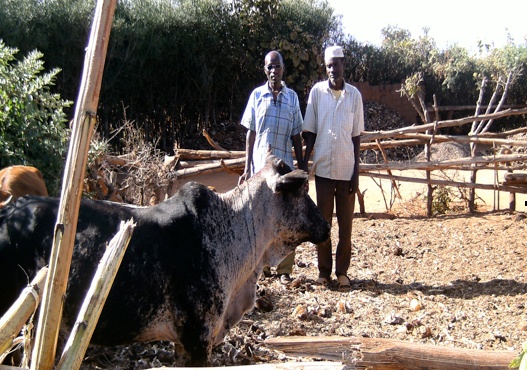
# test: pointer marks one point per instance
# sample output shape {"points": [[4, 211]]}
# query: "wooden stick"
{"points": [[389, 354], [212, 143], [316, 365], [93, 304], [448, 183], [190, 154], [210, 168], [385, 158], [452, 163], [16, 317], [372, 135]]}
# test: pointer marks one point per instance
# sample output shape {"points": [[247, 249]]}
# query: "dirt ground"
{"points": [[455, 280]]}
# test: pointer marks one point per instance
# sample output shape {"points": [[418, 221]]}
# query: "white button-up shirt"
{"points": [[335, 122]]}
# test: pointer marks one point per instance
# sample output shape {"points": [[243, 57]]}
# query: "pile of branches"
{"points": [[378, 117]]}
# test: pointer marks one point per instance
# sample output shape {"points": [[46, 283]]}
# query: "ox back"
{"points": [[190, 270]]}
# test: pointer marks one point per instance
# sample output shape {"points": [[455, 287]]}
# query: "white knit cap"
{"points": [[333, 52]]}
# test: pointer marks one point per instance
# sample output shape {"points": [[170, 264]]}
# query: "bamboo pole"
{"points": [[43, 355], [93, 304], [16, 317]]}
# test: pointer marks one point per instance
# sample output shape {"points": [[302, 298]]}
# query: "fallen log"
{"points": [[389, 354], [317, 365]]}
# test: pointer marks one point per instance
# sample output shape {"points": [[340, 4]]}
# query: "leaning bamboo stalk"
{"points": [[16, 317], [93, 304], [43, 355]]}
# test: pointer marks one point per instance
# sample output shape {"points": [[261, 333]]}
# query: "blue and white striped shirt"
{"points": [[273, 122]]}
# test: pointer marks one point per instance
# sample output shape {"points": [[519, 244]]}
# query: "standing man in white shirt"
{"points": [[333, 124]]}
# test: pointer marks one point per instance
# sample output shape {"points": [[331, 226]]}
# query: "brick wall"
{"points": [[388, 96]]}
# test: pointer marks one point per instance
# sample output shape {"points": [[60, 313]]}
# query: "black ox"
{"points": [[190, 271]]}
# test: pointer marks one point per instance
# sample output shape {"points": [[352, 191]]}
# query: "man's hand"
{"points": [[243, 177], [354, 184]]}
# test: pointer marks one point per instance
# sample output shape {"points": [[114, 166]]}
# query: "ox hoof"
{"points": [[285, 279], [264, 304]]}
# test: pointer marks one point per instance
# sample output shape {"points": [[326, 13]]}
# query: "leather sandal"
{"points": [[322, 281], [344, 283]]}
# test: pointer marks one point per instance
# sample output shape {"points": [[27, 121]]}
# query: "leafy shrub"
{"points": [[32, 120], [441, 201]]}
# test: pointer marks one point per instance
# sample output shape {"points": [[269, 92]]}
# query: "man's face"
{"points": [[274, 70], [335, 72]]}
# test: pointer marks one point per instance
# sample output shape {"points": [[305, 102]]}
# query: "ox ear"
{"points": [[291, 182]]}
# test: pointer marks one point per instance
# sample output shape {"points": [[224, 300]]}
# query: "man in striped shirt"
{"points": [[273, 120], [333, 123]]}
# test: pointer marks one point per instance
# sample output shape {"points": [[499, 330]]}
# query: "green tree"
{"points": [[32, 119]]}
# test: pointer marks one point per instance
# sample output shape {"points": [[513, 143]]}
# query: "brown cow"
{"points": [[17, 181]]}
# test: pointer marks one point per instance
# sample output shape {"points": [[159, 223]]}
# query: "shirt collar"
{"points": [[346, 89], [283, 90]]}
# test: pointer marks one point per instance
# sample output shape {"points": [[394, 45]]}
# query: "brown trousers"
{"points": [[330, 193]]}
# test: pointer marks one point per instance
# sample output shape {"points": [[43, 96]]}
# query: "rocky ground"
{"points": [[456, 280]]}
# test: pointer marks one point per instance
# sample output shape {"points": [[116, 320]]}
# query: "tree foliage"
{"points": [[176, 67], [32, 119]]}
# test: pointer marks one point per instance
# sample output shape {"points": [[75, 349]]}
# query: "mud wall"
{"points": [[388, 96]]}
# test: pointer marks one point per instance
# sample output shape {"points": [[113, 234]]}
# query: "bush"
{"points": [[32, 121]]}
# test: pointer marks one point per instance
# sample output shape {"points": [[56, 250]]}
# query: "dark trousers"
{"points": [[330, 193]]}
